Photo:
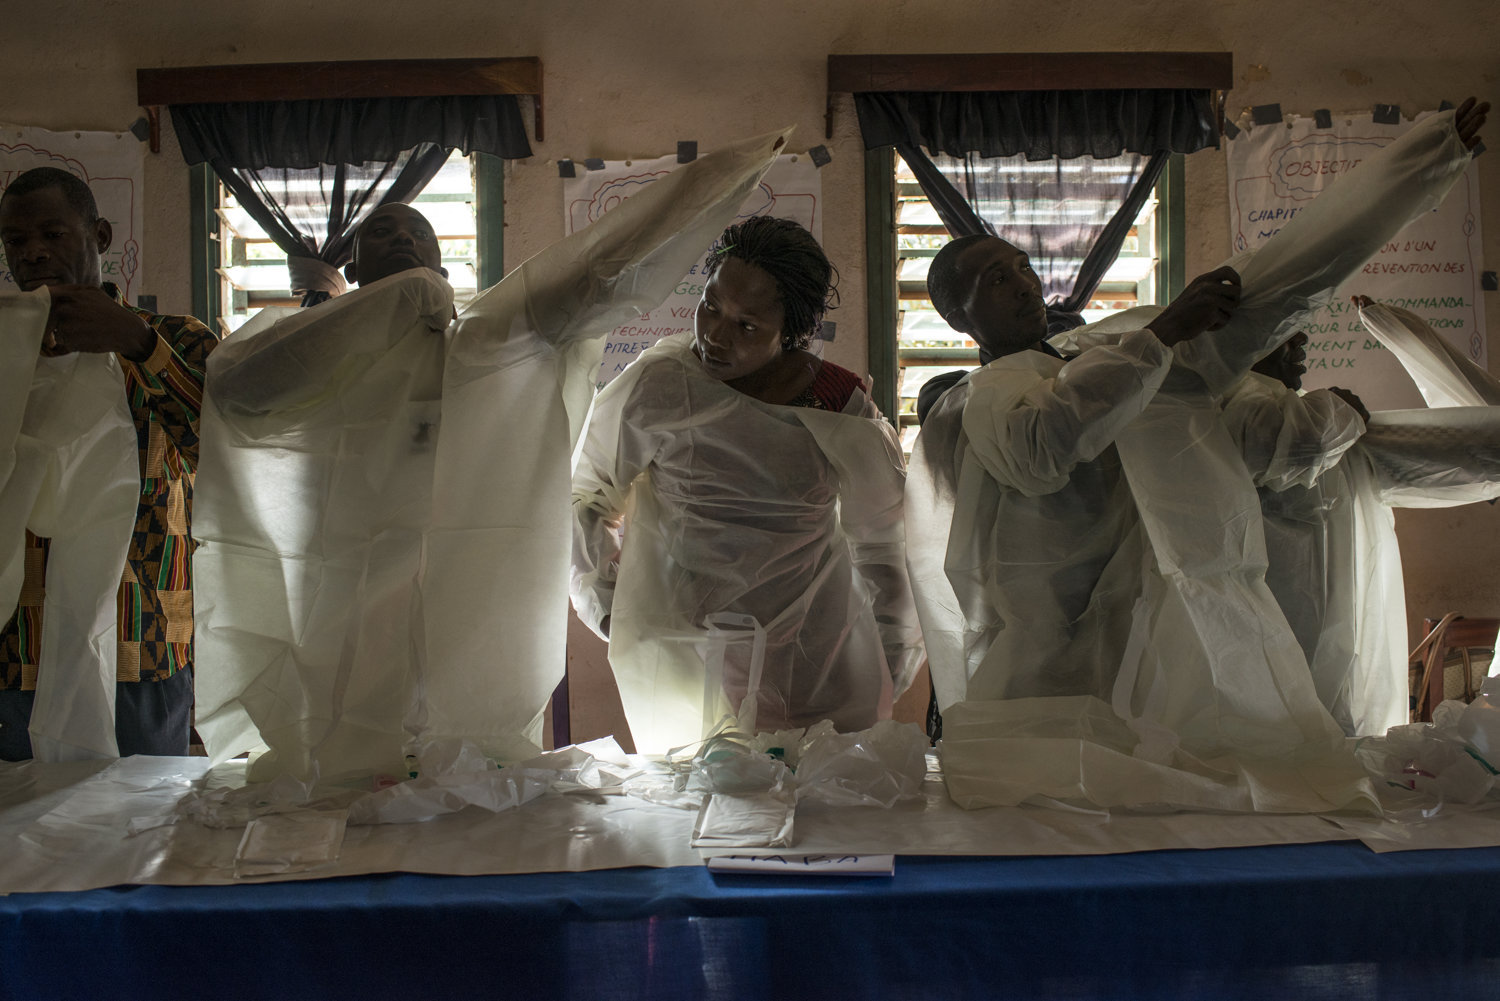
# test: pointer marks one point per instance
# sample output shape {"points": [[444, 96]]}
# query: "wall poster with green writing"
{"points": [[1432, 267]]}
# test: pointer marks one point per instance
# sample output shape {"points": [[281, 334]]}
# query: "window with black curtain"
{"points": [[1070, 176]]}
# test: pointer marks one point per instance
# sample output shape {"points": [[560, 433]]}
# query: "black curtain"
{"points": [[309, 172], [1094, 203], [1041, 125], [1106, 151]]}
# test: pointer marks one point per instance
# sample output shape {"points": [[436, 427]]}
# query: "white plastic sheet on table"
{"points": [[761, 542], [382, 505], [85, 824], [1133, 576], [70, 472]]}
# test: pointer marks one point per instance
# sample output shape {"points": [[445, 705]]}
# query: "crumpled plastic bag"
{"points": [[69, 471], [453, 775], [881, 766], [1451, 762], [747, 787]]}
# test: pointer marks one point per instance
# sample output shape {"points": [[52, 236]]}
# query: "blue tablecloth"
{"points": [[1324, 921]]}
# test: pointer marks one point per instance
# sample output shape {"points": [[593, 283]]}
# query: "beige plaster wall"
{"points": [[632, 79]]}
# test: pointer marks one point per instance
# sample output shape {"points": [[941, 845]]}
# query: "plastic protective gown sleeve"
{"points": [[1444, 376], [387, 557], [1412, 458], [1325, 243], [1440, 457], [932, 485], [762, 569], [1289, 439], [1316, 251], [1292, 445], [69, 471], [1014, 478], [1031, 418]]}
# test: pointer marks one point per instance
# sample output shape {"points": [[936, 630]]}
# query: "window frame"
{"points": [[203, 188], [882, 259]]}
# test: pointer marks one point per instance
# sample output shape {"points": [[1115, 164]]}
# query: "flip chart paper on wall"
{"points": [[113, 164], [1432, 267], [791, 189]]}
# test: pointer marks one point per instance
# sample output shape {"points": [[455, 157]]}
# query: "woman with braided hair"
{"points": [[737, 503]]}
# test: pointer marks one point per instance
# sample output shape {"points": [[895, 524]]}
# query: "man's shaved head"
{"points": [[395, 238]]}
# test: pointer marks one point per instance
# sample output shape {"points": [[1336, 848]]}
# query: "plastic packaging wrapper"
{"points": [[69, 471], [1427, 771], [763, 561], [1443, 374], [1134, 575], [282, 843], [450, 776], [881, 766], [382, 506], [747, 787], [752, 794], [746, 820]]}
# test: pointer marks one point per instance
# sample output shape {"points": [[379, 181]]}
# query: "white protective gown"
{"points": [[1140, 657], [69, 471], [1335, 566], [762, 553], [382, 503]]}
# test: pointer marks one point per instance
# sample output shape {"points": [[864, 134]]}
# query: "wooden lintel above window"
{"points": [[329, 80], [1002, 71]]}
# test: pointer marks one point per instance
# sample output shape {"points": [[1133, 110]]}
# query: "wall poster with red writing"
{"points": [[1432, 267]]}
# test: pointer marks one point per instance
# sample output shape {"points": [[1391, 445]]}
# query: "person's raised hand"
{"points": [[1469, 119], [1206, 304], [1353, 401], [84, 318]]}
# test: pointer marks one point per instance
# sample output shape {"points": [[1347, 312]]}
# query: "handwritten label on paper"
{"points": [[805, 865]]}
